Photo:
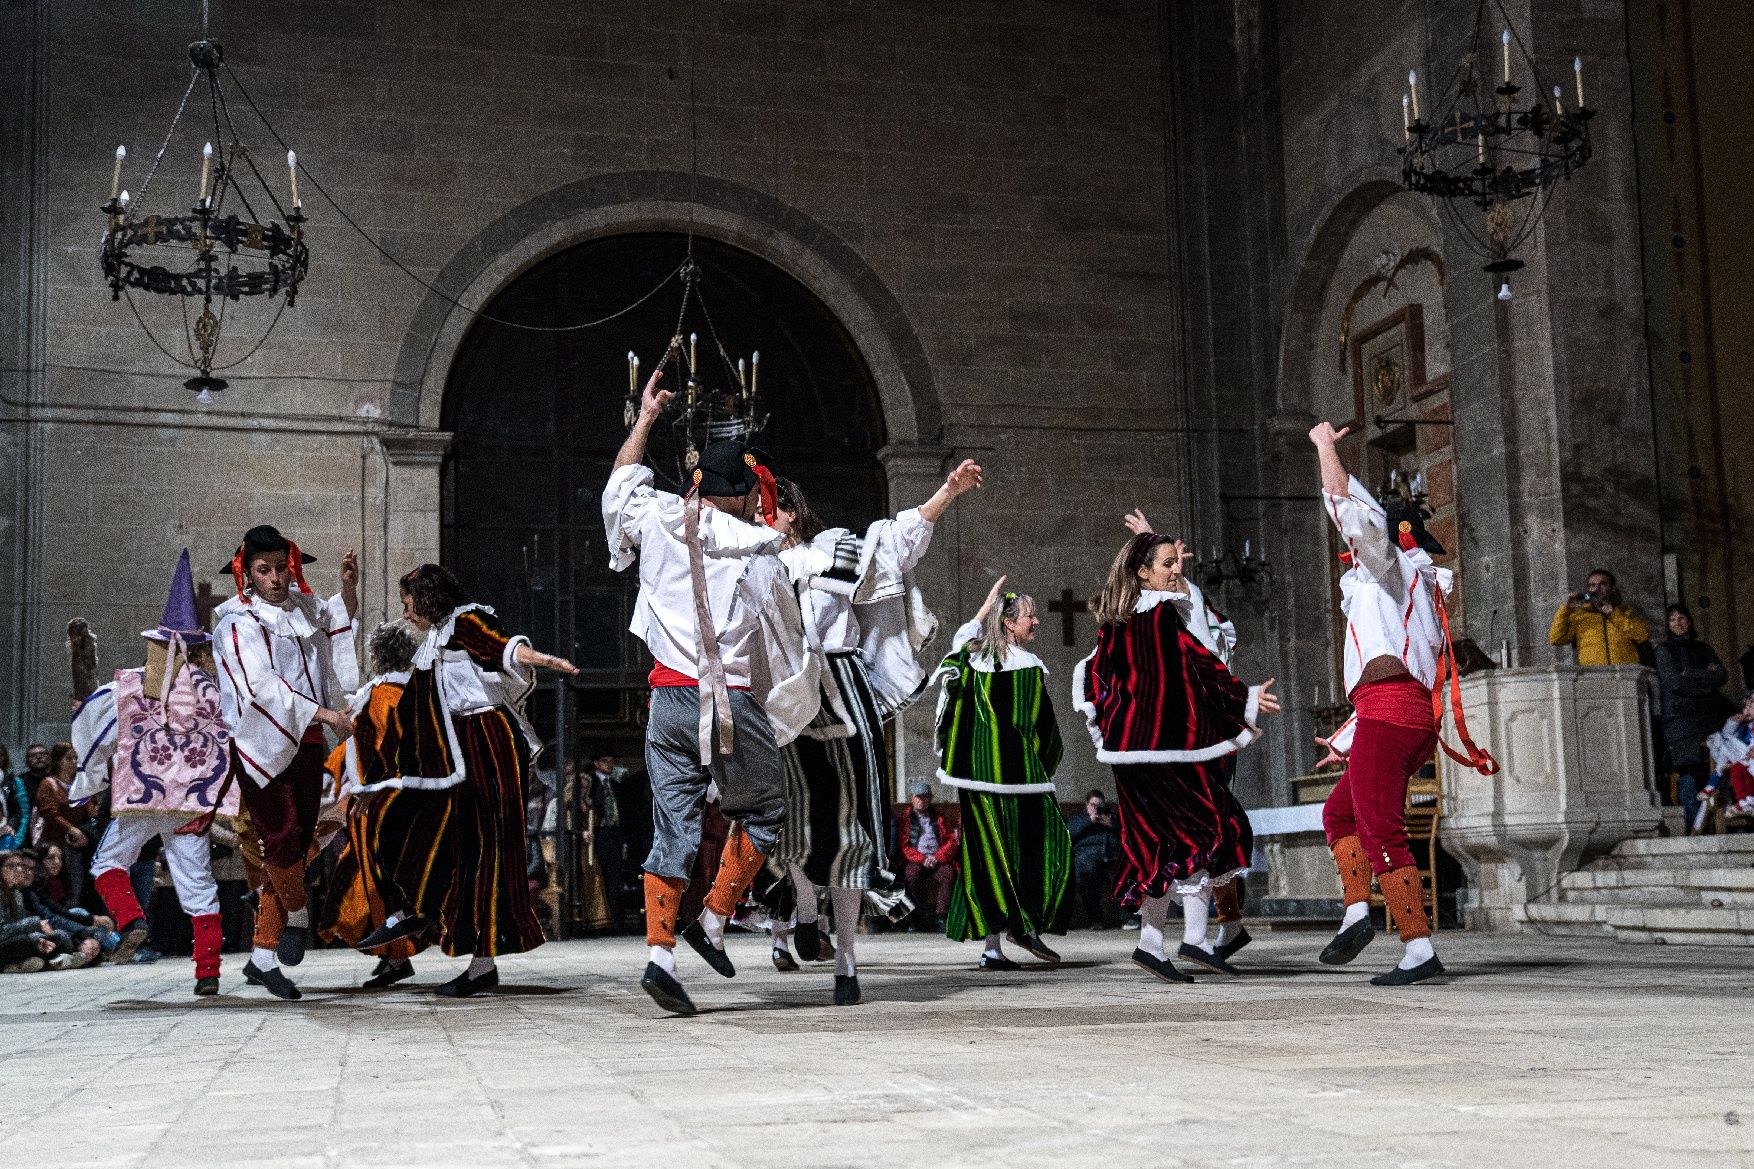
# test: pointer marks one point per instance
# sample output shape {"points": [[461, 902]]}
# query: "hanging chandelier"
{"points": [[713, 405], [1484, 144], [222, 250]]}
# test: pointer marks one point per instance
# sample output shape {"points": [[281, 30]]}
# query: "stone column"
{"points": [[412, 494], [913, 473], [1576, 778]]}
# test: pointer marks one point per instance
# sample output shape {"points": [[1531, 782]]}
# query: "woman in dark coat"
{"points": [[1689, 676]]}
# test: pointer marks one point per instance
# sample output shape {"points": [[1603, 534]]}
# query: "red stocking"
{"points": [[207, 940], [118, 894]]}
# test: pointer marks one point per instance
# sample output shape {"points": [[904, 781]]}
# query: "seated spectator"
{"points": [[1732, 760], [1605, 630], [928, 851], [64, 824], [31, 936], [1096, 846], [51, 890]]}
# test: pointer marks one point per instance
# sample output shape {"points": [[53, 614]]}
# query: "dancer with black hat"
{"points": [[1163, 710], [1397, 657], [865, 620], [153, 736], [286, 663], [733, 681]]}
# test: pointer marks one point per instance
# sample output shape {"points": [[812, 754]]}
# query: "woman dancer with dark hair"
{"points": [[459, 735], [1163, 710], [864, 618], [998, 745]]}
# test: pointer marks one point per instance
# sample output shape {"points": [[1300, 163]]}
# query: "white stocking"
{"points": [[846, 904], [1194, 909], [806, 894], [1152, 915]]}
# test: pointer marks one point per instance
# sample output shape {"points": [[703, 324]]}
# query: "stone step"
{"points": [[1679, 882], [1724, 849], [1678, 925]]}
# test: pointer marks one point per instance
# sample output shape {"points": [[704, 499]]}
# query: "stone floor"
{"points": [[1537, 1052]]}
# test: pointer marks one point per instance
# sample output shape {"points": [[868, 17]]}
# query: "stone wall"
{"points": [[995, 171]]}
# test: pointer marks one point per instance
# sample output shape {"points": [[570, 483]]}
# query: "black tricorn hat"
{"points": [[726, 469], [1408, 518], [265, 538]]}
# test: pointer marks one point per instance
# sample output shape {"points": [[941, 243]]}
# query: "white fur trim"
{"points": [[1251, 732], [998, 789]]}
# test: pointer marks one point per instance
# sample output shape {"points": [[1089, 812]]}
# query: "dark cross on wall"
{"points": [[1068, 607]]}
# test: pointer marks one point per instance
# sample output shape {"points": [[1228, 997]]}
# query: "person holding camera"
{"points": [[1603, 628], [1096, 846]]}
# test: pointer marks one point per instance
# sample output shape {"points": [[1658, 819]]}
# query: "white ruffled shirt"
{"points": [[278, 665], [1215, 633], [1389, 595], [830, 615]]}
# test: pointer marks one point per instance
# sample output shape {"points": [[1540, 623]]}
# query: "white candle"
{"points": [[1480, 140], [1413, 90], [206, 169], [741, 380], [123, 200], [1577, 68], [1248, 546], [1558, 102], [1406, 120], [692, 338], [292, 172], [116, 175], [632, 372], [1506, 39], [754, 370]]}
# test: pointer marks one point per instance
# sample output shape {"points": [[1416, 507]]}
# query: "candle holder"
{"points": [[1225, 566], [1479, 147], [212, 252]]}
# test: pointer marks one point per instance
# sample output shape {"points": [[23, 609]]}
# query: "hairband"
{"points": [[1142, 553]]}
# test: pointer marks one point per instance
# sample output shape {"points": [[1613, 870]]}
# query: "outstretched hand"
{"points": [[1137, 523], [653, 400], [1324, 434], [350, 582], [966, 477], [1269, 700], [1332, 756], [992, 595]]}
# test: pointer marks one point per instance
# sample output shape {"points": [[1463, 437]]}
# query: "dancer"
{"points": [[1396, 658], [1216, 632], [732, 684], [998, 745], [155, 738], [356, 902], [1162, 709], [863, 617], [451, 857], [285, 660]]}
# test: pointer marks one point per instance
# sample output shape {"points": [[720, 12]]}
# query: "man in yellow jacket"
{"points": [[1604, 630]]}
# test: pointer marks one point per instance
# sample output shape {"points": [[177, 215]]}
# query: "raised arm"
{"points": [[966, 478], [651, 404], [1326, 440]]}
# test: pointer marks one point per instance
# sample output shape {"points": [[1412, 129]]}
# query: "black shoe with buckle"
{"points": [[388, 974], [1430, 968], [1162, 967], [271, 980], [695, 935], [846, 990], [291, 950], [462, 986], [1034, 944], [408, 927], [1200, 957], [998, 962], [808, 941], [1234, 944], [1348, 943], [666, 991]]}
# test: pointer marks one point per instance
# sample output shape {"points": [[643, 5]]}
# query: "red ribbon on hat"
{"points": [[295, 566]]}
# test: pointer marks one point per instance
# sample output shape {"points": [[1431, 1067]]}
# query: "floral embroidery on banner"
{"points": [[169, 761]]}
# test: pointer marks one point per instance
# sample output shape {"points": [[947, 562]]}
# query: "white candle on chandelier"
{"points": [[122, 199], [292, 173], [632, 372], [1558, 102], [741, 380], [754, 370], [1506, 40], [1413, 91], [1406, 119], [1480, 140], [206, 170], [692, 338], [1248, 546], [116, 175], [1577, 69]]}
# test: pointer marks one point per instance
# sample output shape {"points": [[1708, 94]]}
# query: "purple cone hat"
{"points": [[181, 615]]}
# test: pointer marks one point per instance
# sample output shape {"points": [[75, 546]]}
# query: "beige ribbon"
{"points": [[715, 696]]}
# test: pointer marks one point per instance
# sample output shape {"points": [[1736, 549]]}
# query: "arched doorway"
{"points": [[537, 419]]}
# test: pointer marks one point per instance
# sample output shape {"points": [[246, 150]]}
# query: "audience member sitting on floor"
{"points": [[1732, 762], [51, 890], [928, 850], [31, 936]]}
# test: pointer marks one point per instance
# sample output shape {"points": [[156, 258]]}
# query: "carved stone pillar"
{"points": [[411, 505], [913, 474], [1576, 778]]}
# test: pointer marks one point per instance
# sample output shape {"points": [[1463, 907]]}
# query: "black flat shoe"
{"points": [[998, 962], [132, 939], [1162, 967], [291, 950], [462, 986], [1034, 945], [695, 935], [271, 980], [1430, 968], [408, 927], [1210, 961], [1233, 945], [808, 941], [207, 987], [846, 990], [666, 991], [783, 960], [389, 974], [1348, 943]]}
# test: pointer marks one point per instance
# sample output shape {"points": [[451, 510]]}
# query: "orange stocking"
{"points": [[1401, 892], [1354, 870], [738, 865], [1228, 899], [663, 899]]}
